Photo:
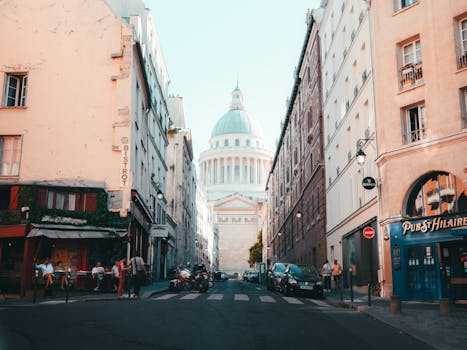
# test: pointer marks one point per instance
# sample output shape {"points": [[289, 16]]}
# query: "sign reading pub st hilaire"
{"points": [[433, 224]]}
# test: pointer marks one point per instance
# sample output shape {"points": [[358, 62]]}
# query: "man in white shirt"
{"points": [[47, 272], [138, 274], [97, 273], [326, 272], [115, 275]]}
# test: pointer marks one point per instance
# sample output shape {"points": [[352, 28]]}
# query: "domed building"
{"points": [[233, 173]]}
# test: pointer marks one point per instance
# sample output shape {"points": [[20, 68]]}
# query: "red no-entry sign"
{"points": [[368, 232]]}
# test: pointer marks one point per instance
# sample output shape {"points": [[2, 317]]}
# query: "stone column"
{"points": [[219, 170], [248, 171], [241, 169], [255, 171], [225, 170], [232, 170]]}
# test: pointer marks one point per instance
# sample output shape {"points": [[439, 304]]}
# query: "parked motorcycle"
{"points": [[197, 279]]}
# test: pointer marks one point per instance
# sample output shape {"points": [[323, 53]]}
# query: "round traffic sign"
{"points": [[368, 232]]}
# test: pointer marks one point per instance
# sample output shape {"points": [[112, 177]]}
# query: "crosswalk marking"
{"points": [[216, 297], [190, 296], [320, 303], [165, 297], [291, 300], [241, 297], [267, 299]]}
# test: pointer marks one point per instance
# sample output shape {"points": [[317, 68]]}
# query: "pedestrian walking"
{"points": [[138, 274], [326, 271], [115, 275], [337, 274], [122, 269]]}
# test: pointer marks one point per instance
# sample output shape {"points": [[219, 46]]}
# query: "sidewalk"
{"points": [[420, 320], [59, 296]]}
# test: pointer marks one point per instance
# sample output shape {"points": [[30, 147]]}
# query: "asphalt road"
{"points": [[232, 315]]}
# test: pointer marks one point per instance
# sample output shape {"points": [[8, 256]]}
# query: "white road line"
{"points": [[190, 296], [216, 297], [55, 302], [165, 297], [241, 297], [319, 303], [267, 299], [292, 300]]}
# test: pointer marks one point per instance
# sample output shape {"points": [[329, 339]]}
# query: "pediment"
{"points": [[235, 202]]}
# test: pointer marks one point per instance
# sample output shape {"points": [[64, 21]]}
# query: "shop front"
{"points": [[429, 258], [360, 257], [77, 248]]}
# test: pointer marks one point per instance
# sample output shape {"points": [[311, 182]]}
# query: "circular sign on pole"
{"points": [[369, 183], [368, 232]]}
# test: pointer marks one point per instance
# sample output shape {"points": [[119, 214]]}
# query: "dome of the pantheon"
{"points": [[236, 120]]}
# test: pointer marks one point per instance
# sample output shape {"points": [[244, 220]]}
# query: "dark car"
{"points": [[275, 275], [302, 280]]}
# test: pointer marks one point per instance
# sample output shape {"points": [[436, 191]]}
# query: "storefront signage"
{"points": [[368, 183], [125, 161], [432, 225]]}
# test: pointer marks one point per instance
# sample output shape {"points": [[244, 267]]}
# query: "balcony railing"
{"points": [[415, 135], [411, 74]]}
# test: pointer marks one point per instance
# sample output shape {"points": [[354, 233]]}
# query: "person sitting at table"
{"points": [[47, 272], [60, 272], [97, 273]]}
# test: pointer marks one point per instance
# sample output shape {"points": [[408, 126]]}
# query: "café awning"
{"points": [[67, 232]]}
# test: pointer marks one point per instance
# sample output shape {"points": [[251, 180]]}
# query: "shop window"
{"points": [[435, 194], [4, 198]]}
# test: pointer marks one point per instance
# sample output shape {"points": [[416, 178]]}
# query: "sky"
{"points": [[210, 44]]}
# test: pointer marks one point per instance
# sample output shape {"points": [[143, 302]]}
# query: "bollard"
{"points": [[444, 307], [395, 304]]}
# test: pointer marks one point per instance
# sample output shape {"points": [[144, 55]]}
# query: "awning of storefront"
{"points": [[13, 231], [66, 232]]}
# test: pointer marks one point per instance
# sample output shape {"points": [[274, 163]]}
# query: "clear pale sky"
{"points": [[208, 44]]}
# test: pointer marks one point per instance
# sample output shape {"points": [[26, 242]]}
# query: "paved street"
{"points": [[232, 315]]}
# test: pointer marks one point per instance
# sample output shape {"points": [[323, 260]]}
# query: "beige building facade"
{"points": [[420, 50]]}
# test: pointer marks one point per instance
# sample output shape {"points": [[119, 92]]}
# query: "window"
{"points": [[411, 71], [248, 143], [463, 96], [15, 90], [10, 155], [437, 193], [217, 144], [226, 143], [237, 142], [400, 4], [414, 123], [63, 200], [462, 52], [412, 53]]}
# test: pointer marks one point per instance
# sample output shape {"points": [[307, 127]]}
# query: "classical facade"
{"points": [[75, 180], [349, 126], [296, 188], [233, 173], [421, 102]]}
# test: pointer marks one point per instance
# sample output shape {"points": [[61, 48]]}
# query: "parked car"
{"points": [[275, 275], [245, 275], [220, 276], [301, 280], [253, 276]]}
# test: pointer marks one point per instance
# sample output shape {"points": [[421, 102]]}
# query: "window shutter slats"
{"points": [[90, 203]]}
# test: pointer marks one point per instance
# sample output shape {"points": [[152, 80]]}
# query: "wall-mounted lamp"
{"points": [[279, 234], [361, 156], [299, 214], [160, 194]]}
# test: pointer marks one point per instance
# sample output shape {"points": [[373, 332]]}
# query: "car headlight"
{"points": [[292, 281], [319, 283]]}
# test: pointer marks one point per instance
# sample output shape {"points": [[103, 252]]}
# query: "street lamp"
{"points": [[361, 157], [299, 214]]}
